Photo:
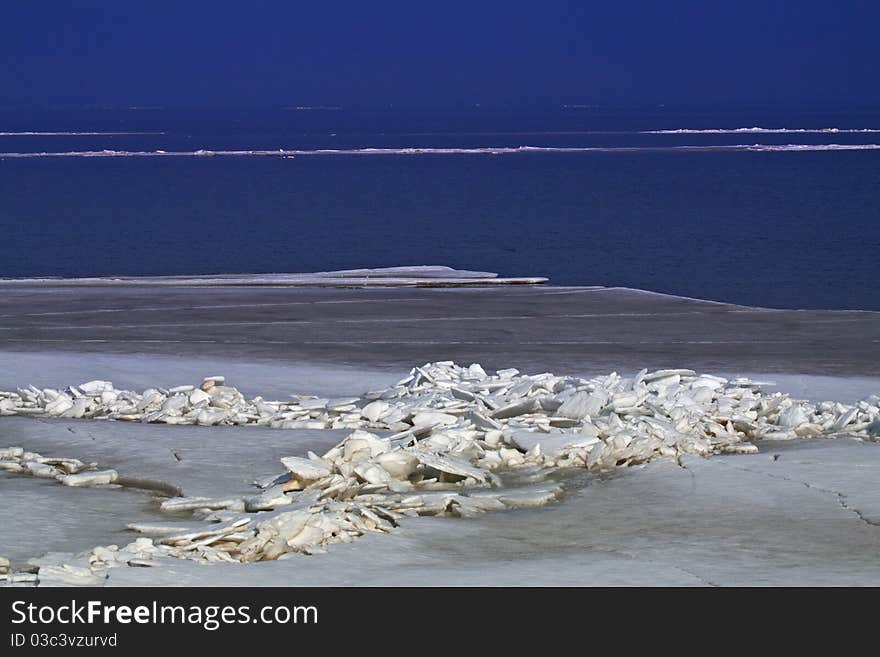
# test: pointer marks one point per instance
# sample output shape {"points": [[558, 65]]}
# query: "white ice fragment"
{"points": [[372, 473], [271, 498], [59, 405], [847, 417], [362, 445], [583, 404], [96, 387], [179, 504], [661, 374], [433, 418], [98, 478], [199, 396], [304, 469], [209, 417], [708, 381], [793, 416], [531, 497], [550, 443], [399, 463], [453, 466], [38, 469], [153, 529], [375, 410], [175, 404], [521, 407]]}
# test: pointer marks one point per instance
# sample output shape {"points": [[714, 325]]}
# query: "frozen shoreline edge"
{"points": [[416, 276]]}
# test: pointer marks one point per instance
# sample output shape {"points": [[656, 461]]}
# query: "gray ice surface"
{"points": [[209, 461], [59, 369], [564, 330], [39, 516]]}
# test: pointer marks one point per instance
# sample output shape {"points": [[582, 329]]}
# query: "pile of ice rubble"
{"points": [[456, 442]]}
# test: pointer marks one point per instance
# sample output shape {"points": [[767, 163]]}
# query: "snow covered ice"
{"points": [[446, 441]]}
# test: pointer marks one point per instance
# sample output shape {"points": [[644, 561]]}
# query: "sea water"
{"points": [[758, 207]]}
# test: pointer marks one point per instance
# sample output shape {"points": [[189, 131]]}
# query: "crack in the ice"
{"points": [[840, 497], [680, 464], [706, 582], [634, 557]]}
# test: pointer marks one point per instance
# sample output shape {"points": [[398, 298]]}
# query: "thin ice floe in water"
{"points": [[462, 442], [412, 276]]}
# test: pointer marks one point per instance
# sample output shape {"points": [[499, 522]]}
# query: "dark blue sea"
{"points": [[604, 197]]}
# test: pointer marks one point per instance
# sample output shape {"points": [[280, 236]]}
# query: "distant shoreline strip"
{"points": [[489, 150]]}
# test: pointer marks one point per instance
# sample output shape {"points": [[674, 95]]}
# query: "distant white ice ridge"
{"points": [[756, 129], [72, 134], [477, 150]]}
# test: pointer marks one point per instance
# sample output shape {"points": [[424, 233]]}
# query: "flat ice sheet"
{"points": [[40, 516], [209, 461], [140, 371], [563, 330]]}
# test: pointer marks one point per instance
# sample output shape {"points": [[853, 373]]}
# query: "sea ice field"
{"points": [[617, 491]]}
